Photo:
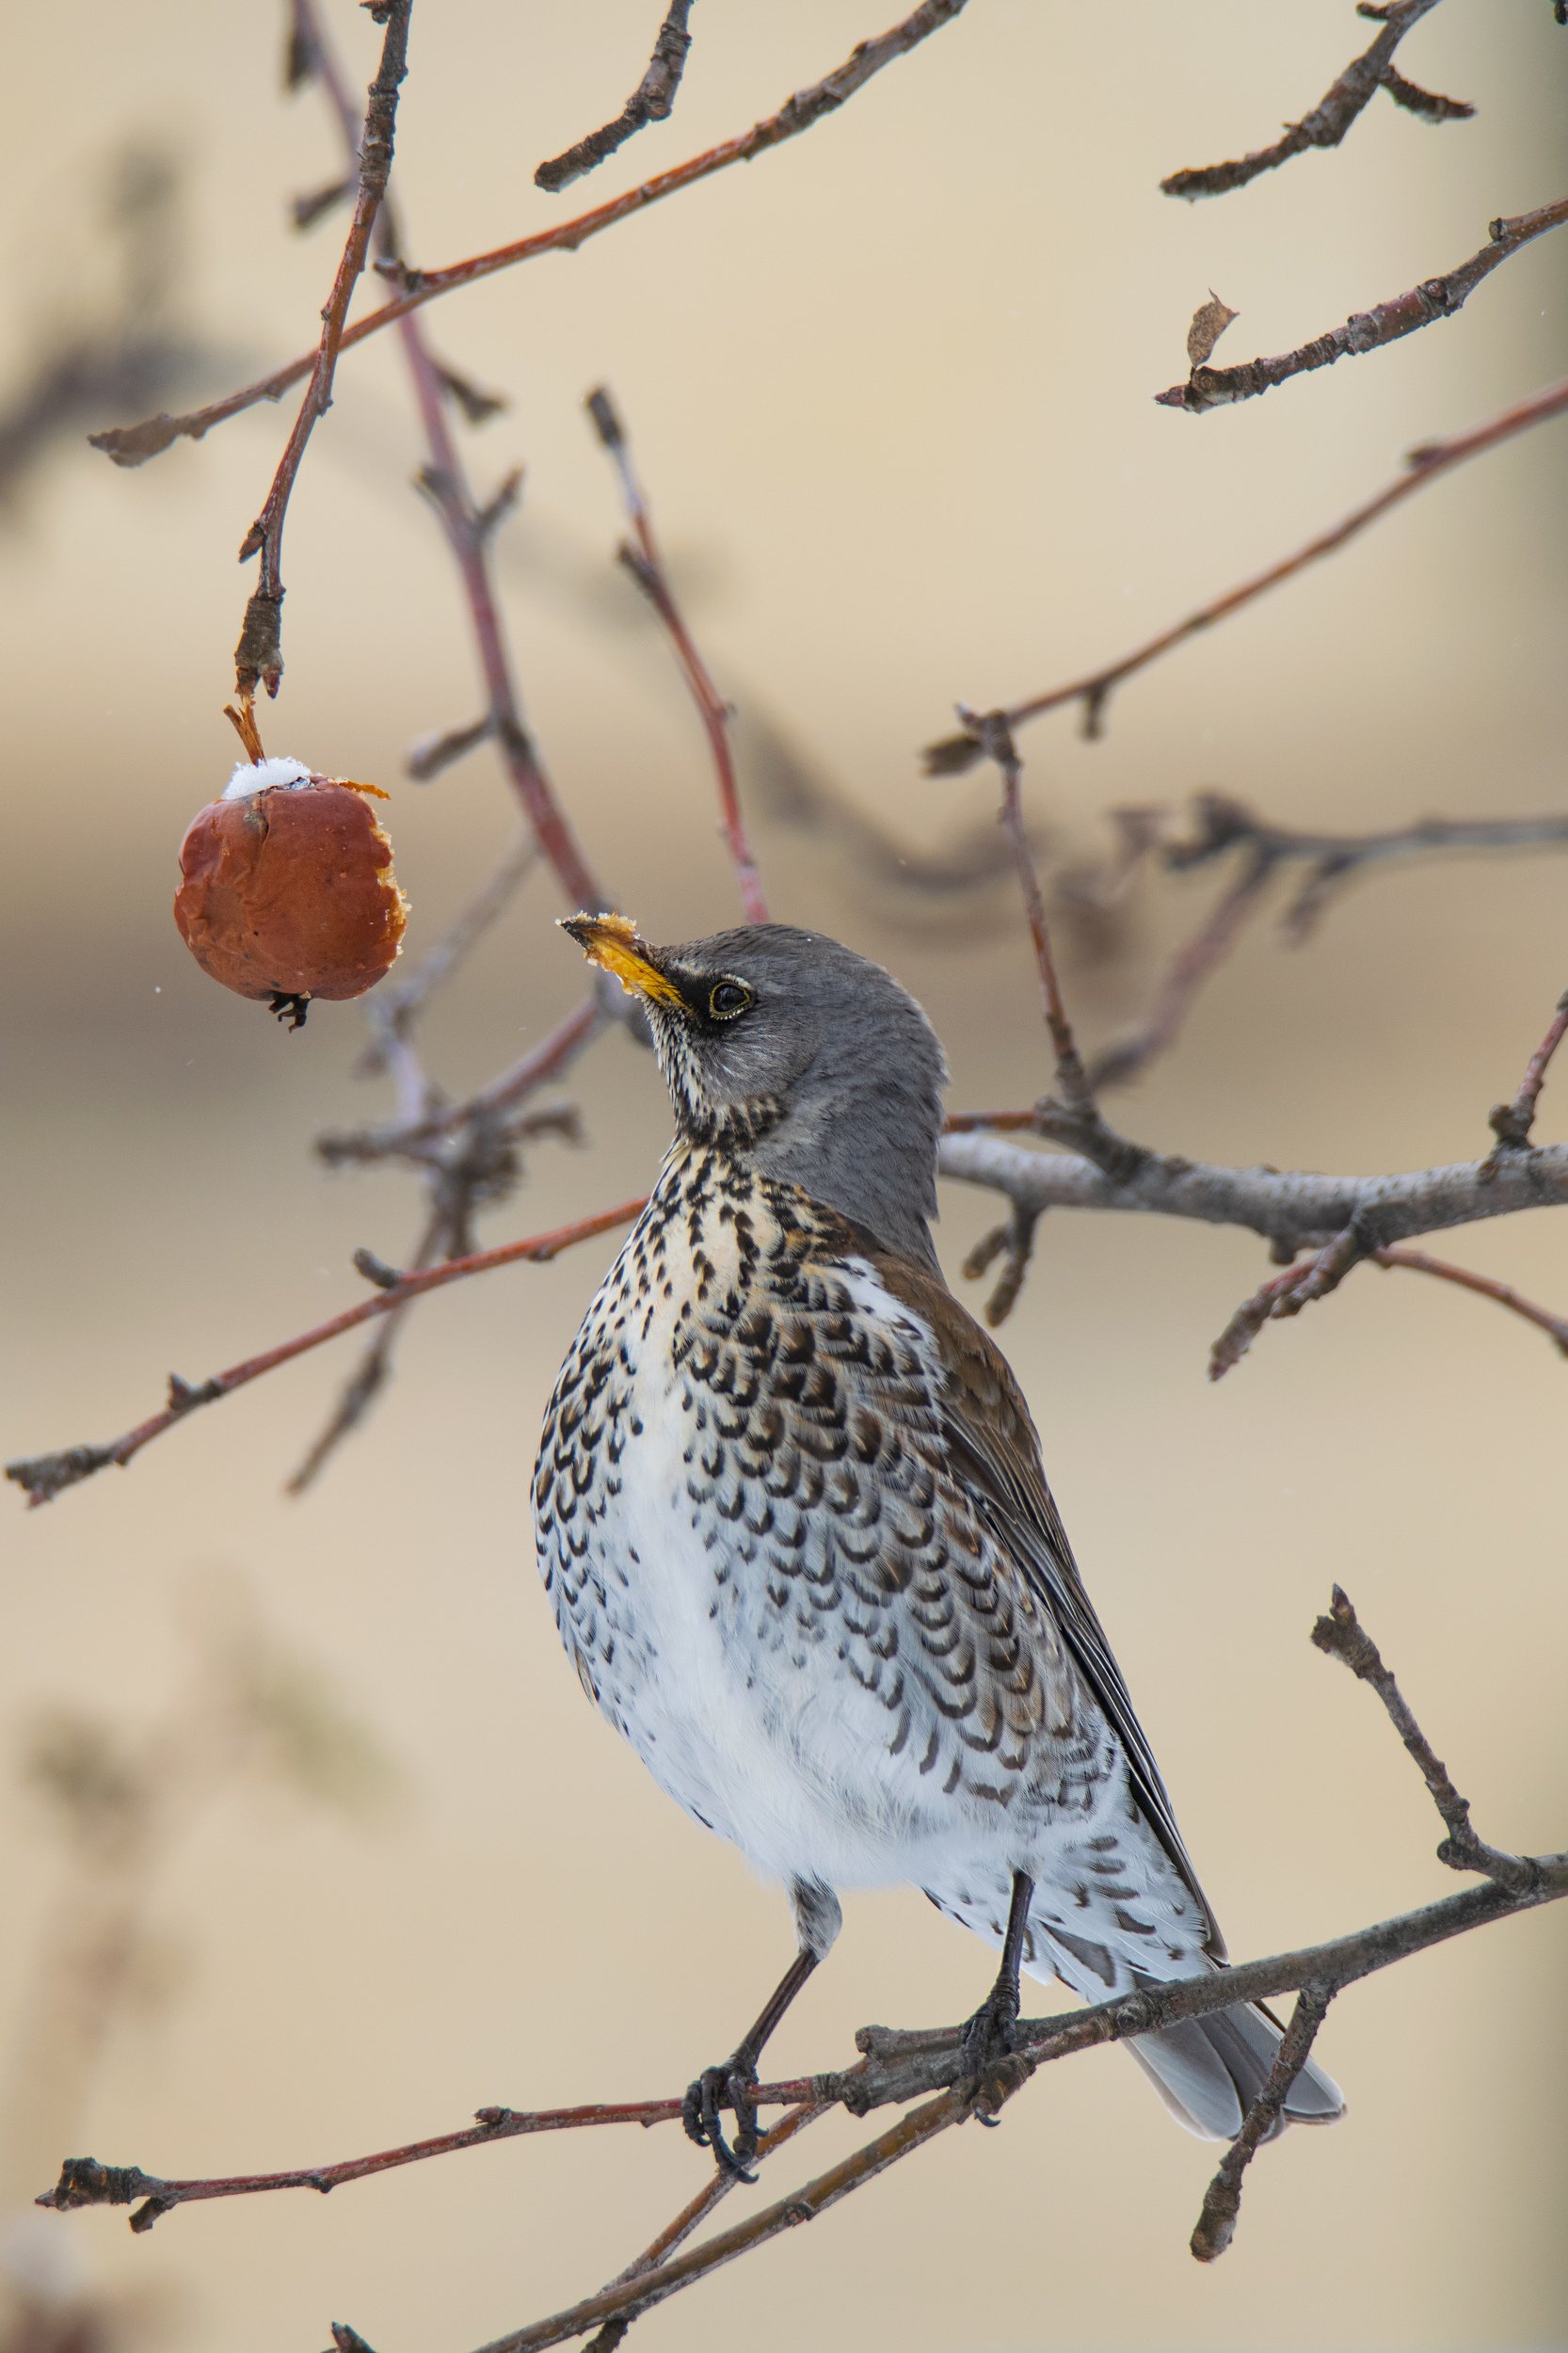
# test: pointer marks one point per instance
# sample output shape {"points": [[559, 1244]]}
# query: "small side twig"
{"points": [[1092, 691], [1216, 2224], [1287, 1294], [259, 655], [646, 566], [1013, 1241], [1511, 1123], [1366, 330], [651, 101], [1335, 112], [1341, 1634]]}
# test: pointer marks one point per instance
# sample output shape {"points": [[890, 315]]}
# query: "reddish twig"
{"points": [[131, 445], [469, 530], [1366, 330], [646, 568], [1511, 1123], [954, 753], [1485, 1286], [992, 736], [1335, 112], [650, 101], [46, 1475], [259, 657], [693, 2214]]}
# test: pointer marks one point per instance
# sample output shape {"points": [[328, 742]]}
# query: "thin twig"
{"points": [[1342, 1635], [131, 445], [412, 1139], [1366, 330], [954, 753], [646, 566], [1216, 2224], [994, 736], [395, 1007], [369, 1376], [1335, 112], [1511, 1123], [1194, 963], [650, 101], [693, 2214], [1222, 825], [46, 1475], [1485, 1286], [259, 656], [469, 530]]}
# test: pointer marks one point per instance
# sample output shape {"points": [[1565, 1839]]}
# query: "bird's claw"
{"points": [[990, 2040], [733, 2085]]}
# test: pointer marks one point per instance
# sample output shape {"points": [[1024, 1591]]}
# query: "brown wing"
{"points": [[995, 1449]]}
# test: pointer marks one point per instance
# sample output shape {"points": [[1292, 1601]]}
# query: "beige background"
{"points": [[890, 387]]}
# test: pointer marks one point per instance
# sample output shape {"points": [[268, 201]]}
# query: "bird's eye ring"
{"points": [[727, 999]]}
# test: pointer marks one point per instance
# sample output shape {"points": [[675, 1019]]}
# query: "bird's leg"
{"points": [[988, 2036], [733, 2084]]}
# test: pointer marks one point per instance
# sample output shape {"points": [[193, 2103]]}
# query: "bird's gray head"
{"points": [[797, 1056]]}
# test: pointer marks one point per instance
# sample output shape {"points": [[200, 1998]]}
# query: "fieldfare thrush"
{"points": [[791, 1516]]}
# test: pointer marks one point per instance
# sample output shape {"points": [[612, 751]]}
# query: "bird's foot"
{"points": [[990, 2041], [732, 2086], [290, 1005]]}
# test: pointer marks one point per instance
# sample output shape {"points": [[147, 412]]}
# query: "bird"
{"points": [[791, 1512]]}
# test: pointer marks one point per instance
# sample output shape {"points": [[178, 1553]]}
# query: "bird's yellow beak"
{"points": [[613, 942]]}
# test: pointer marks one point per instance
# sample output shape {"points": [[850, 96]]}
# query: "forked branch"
{"points": [[1336, 111]]}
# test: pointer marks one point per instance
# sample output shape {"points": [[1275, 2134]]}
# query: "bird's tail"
{"points": [[1208, 2071]]}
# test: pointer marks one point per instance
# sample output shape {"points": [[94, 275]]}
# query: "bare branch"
{"points": [[1485, 1286], [1511, 1123], [651, 101], [259, 657], [1423, 464], [1335, 112], [1342, 1636], [46, 1475], [131, 445], [1216, 2225], [1191, 967], [1287, 1208], [994, 736], [1368, 331], [646, 568]]}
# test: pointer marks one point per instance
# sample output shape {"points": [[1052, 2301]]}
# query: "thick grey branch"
{"points": [[1287, 1208]]}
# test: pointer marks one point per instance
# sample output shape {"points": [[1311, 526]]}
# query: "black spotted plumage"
{"points": [[791, 1512]]}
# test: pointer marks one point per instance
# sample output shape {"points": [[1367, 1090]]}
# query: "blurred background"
{"points": [[311, 1843]]}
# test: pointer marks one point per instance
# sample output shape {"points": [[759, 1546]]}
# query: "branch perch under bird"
{"points": [[896, 2068]]}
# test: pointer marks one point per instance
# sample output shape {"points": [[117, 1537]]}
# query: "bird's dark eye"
{"points": [[726, 998]]}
